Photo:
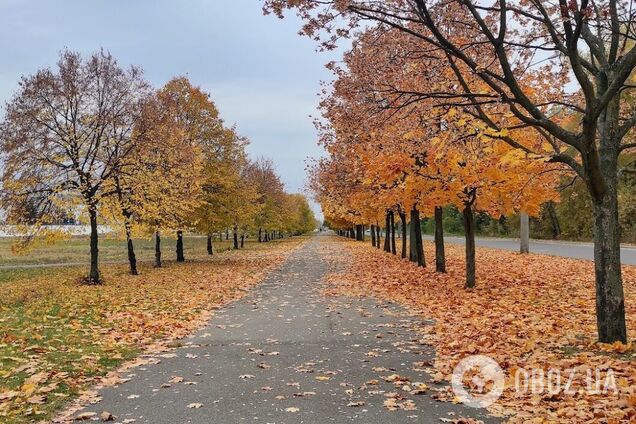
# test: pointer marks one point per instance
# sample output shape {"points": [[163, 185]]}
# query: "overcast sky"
{"points": [[262, 75]]}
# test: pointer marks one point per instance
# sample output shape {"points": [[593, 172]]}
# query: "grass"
{"points": [[58, 337], [11, 274], [76, 250]]}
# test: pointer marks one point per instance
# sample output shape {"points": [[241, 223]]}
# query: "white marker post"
{"points": [[524, 232]]}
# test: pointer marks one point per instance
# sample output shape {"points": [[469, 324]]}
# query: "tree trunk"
{"points": [[403, 220], [524, 232], [157, 249], [610, 299], [554, 219], [412, 244], [393, 250], [235, 237], [227, 233], [378, 236], [132, 259], [260, 235], [440, 256], [387, 233], [180, 257], [242, 240], [373, 235], [416, 240], [601, 169], [359, 233], [94, 277], [209, 245], [469, 233]]}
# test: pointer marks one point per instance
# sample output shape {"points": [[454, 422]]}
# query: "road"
{"points": [[555, 248], [288, 354]]}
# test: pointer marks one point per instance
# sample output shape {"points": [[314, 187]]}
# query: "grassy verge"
{"points": [[76, 250], [58, 337]]}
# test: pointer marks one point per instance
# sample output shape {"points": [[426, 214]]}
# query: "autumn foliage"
{"points": [[512, 89], [93, 142], [527, 312]]}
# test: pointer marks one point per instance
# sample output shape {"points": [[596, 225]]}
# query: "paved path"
{"points": [[555, 248], [287, 354]]}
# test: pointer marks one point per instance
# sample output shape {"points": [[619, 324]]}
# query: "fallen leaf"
{"points": [[106, 416]]}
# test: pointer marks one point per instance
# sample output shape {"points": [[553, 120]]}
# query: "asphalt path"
{"points": [[287, 354]]}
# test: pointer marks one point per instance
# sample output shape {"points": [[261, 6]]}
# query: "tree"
{"points": [[64, 135], [225, 163], [509, 46], [242, 204], [195, 112], [262, 175], [417, 156], [160, 183], [300, 218]]}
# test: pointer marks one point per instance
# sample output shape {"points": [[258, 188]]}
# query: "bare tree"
{"points": [[65, 134]]}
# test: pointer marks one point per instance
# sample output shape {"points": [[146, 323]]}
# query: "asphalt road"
{"points": [[555, 248], [288, 354]]}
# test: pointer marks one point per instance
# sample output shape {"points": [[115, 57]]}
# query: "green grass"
{"points": [[76, 250], [70, 333], [61, 342], [41, 332], [7, 275]]}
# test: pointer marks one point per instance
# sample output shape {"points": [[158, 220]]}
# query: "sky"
{"points": [[262, 75]]}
